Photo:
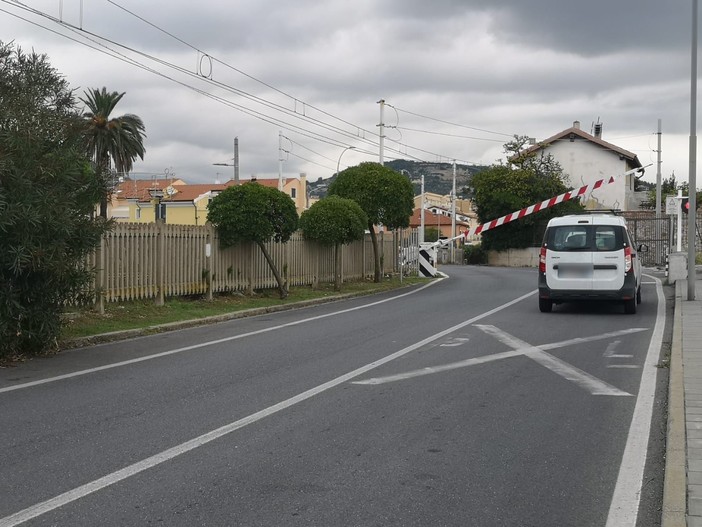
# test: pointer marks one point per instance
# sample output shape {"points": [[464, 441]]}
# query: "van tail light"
{"points": [[542, 260], [627, 260]]}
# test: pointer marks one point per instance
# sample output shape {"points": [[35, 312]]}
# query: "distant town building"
{"points": [[176, 202]]}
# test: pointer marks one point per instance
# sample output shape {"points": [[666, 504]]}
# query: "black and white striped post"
{"points": [[427, 259]]}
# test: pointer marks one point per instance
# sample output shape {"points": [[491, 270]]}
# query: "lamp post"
{"points": [[341, 154], [692, 181]]}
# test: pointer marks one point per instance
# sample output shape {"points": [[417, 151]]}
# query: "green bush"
{"points": [[48, 194], [474, 255]]}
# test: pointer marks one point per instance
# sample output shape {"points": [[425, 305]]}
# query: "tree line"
{"points": [[56, 162]]}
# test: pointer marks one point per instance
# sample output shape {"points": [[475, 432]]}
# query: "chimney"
{"points": [[576, 124], [598, 130]]}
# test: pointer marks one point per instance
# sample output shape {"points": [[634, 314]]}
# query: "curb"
{"points": [[214, 319], [675, 482]]}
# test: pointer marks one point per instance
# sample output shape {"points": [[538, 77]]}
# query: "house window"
{"points": [[293, 193]]}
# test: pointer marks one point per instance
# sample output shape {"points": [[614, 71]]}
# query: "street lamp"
{"points": [[341, 154]]}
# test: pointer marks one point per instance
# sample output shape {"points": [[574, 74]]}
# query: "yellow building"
{"points": [[176, 202], [438, 212], [295, 187], [431, 199]]}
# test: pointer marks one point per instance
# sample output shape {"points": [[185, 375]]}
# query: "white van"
{"points": [[589, 257]]}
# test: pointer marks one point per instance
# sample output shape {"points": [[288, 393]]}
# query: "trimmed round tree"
{"points": [[334, 221], [386, 196], [255, 214]]}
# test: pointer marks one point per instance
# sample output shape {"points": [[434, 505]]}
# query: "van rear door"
{"points": [[608, 258], [569, 264]]}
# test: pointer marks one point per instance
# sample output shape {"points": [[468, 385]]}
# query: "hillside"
{"points": [[438, 177]]}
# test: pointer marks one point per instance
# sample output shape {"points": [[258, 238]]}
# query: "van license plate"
{"points": [[574, 271]]}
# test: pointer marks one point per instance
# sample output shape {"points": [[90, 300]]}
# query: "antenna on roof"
{"points": [[597, 128]]}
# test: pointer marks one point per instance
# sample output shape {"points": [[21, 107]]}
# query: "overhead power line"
{"points": [[98, 43], [450, 123]]}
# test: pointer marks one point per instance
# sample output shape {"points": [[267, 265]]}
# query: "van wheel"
{"points": [[545, 305], [630, 307], [638, 295]]}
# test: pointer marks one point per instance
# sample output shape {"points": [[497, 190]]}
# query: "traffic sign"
{"points": [[671, 206]]}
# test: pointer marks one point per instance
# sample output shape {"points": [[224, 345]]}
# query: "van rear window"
{"points": [[584, 238]]}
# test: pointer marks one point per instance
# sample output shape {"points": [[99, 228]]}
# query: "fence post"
{"points": [[208, 261], [317, 265], [100, 276], [160, 263], [250, 288], [339, 264]]}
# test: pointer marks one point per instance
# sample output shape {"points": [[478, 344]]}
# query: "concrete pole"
{"points": [[236, 160], [280, 161], [659, 204], [678, 204], [421, 214], [692, 185], [658, 174], [453, 215], [381, 151]]}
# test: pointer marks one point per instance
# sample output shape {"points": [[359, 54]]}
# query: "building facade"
{"points": [[175, 202], [587, 158]]}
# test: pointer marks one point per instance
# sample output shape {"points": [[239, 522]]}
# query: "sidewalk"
{"points": [[682, 493]]}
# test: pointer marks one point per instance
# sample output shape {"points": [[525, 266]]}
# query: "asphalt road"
{"points": [[456, 404]]}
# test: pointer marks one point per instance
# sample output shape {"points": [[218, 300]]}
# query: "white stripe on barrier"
{"points": [[547, 203]]}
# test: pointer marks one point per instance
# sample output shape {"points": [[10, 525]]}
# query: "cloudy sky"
{"points": [[459, 77]]}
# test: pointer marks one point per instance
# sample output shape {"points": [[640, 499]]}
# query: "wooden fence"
{"points": [[137, 261]]}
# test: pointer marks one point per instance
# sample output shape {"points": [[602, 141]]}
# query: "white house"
{"points": [[587, 158]]}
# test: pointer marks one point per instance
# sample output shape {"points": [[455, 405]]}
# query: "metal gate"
{"points": [[657, 233]]}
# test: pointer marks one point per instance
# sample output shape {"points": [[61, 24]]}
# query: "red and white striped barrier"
{"points": [[548, 203]]}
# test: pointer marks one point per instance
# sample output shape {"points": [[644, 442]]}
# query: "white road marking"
{"points": [[456, 341], [624, 508], [489, 358], [437, 369], [583, 379], [204, 344], [609, 352], [136, 468]]}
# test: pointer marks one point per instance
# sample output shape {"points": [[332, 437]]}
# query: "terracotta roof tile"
{"points": [[431, 219], [565, 134]]}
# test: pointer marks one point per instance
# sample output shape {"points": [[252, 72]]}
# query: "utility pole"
{"points": [[692, 185], [382, 131], [658, 173], [236, 160], [453, 214], [421, 215], [280, 160], [658, 194]]}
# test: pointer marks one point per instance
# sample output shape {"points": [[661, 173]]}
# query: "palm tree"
{"points": [[111, 142]]}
